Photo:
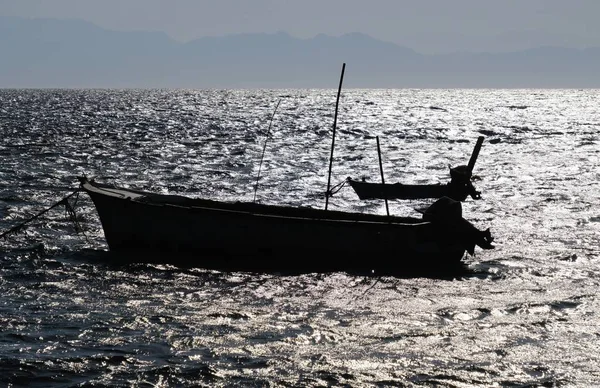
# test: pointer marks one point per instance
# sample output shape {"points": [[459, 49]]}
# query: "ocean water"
{"points": [[526, 315]]}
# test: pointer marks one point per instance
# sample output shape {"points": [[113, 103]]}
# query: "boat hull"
{"points": [[249, 237], [368, 190]]}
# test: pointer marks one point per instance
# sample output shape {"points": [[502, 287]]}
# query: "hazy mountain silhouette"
{"points": [[71, 53]]}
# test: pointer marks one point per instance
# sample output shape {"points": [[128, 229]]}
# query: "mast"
{"points": [[337, 101]]}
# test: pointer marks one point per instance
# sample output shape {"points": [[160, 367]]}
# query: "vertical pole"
{"points": [[387, 209], [337, 101]]}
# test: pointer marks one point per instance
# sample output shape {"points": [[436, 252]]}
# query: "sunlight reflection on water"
{"points": [[526, 317]]}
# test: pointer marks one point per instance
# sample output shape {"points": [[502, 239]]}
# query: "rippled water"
{"points": [[527, 316]]}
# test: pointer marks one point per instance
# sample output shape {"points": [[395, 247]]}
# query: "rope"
{"points": [[64, 201], [263, 151], [70, 209], [335, 189]]}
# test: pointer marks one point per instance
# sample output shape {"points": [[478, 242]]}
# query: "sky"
{"points": [[427, 26]]}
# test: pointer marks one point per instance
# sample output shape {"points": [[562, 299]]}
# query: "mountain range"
{"points": [[52, 53]]}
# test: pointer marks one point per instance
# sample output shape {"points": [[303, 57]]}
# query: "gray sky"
{"points": [[428, 26]]}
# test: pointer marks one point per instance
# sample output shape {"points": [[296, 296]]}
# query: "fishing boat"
{"points": [[459, 188], [246, 236], [249, 236]]}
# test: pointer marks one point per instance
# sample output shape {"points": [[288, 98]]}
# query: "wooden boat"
{"points": [[254, 237], [459, 188], [144, 226]]}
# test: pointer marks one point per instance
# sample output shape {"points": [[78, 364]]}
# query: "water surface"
{"points": [[526, 315]]}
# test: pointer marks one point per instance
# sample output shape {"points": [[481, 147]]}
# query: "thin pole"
{"points": [[263, 151], [337, 101], [387, 209]]}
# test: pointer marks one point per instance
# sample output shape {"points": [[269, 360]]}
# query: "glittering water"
{"points": [[530, 317]]}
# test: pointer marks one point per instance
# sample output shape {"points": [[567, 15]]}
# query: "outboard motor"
{"points": [[444, 210], [460, 183], [448, 213]]}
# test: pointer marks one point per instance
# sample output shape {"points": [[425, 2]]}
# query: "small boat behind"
{"points": [[245, 236], [459, 188]]}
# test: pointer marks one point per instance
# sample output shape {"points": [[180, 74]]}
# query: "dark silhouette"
{"points": [[266, 238], [448, 212]]}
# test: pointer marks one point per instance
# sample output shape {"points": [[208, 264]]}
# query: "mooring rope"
{"points": [[64, 201], [336, 188], [70, 209]]}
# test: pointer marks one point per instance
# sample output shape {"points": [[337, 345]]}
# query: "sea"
{"points": [[525, 314]]}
